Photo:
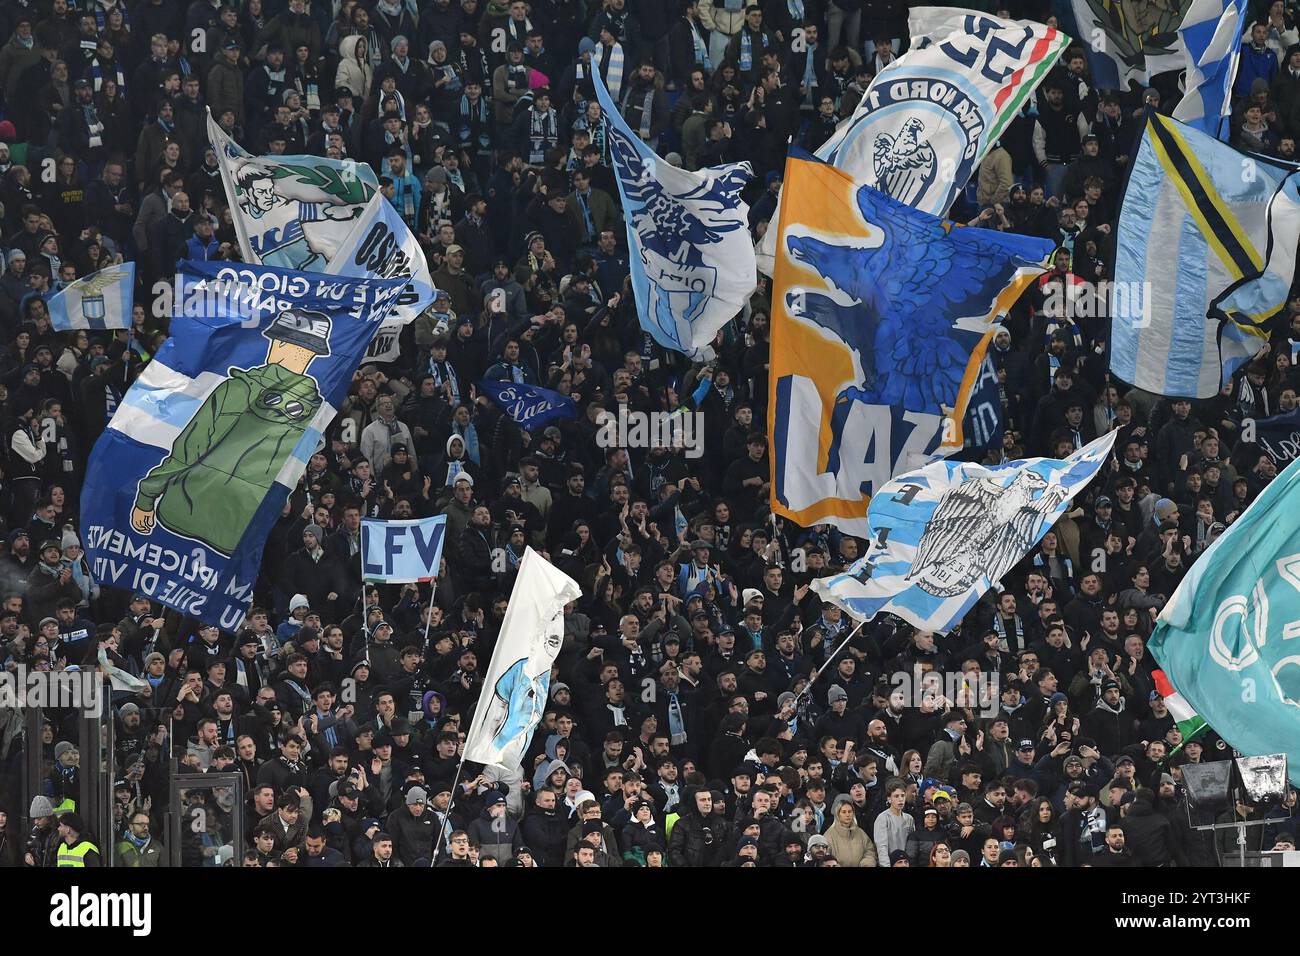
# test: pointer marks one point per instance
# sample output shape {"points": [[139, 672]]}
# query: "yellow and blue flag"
{"points": [[881, 316]]}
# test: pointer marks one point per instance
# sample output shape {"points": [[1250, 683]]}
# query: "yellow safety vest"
{"points": [[75, 855], [66, 805]]}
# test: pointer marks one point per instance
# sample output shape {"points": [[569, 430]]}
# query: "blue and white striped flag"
{"points": [[691, 257], [101, 300], [1211, 40], [1195, 223], [943, 535], [195, 466]]}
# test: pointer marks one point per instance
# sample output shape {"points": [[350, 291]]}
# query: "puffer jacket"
{"points": [[544, 832], [693, 842], [851, 845], [715, 16]]}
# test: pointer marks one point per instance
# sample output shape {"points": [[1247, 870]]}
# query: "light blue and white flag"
{"points": [[1194, 223], [101, 300], [529, 406], [925, 123], [402, 552], [1211, 41], [195, 465], [691, 257], [518, 679], [929, 25], [293, 212], [942, 536], [381, 243], [1249, 306], [1225, 637]]}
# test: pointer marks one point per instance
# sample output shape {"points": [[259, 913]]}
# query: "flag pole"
{"points": [[446, 822], [433, 590]]}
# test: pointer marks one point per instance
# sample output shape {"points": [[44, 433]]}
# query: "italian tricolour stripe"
{"points": [[1190, 723]]}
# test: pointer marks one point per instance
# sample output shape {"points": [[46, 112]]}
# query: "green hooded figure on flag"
{"points": [[223, 463]]}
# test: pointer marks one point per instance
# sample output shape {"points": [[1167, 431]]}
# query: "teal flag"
{"points": [[1227, 639]]}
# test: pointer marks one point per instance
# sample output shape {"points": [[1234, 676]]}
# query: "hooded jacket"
{"points": [[850, 845], [498, 838]]}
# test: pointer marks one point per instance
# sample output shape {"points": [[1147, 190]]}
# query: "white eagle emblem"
{"points": [[981, 528], [904, 163]]}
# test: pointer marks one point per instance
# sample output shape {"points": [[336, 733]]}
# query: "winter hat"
{"points": [[1165, 509], [416, 795], [41, 807], [836, 693], [315, 529], [783, 697], [586, 45], [559, 686], [61, 748], [494, 798], [129, 709], [750, 594], [300, 600], [69, 539], [960, 855], [818, 840]]}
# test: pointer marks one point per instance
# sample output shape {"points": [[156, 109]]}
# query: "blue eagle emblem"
{"points": [[907, 297], [674, 229]]}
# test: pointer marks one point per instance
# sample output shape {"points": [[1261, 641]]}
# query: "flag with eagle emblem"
{"points": [[101, 300], [690, 255]]}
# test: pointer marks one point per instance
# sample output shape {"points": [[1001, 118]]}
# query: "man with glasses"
{"points": [[138, 848], [457, 850]]}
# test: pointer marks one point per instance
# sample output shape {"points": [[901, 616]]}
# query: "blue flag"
{"points": [[1211, 40], [1278, 436], [402, 552], [529, 406], [195, 465], [691, 258], [101, 300], [1225, 637], [942, 536]]}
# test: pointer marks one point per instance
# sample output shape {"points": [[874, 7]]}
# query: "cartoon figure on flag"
{"points": [[283, 238], [243, 435], [520, 694]]}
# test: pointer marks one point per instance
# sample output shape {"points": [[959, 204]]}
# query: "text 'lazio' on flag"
{"points": [[944, 535], [101, 300], [1195, 224], [194, 468], [881, 317], [1211, 43], [1225, 638], [529, 406], [689, 249], [402, 552], [927, 120]]}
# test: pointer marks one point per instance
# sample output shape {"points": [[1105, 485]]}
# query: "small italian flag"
{"points": [[1190, 723]]}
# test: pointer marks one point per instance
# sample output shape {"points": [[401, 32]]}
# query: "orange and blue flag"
{"points": [[881, 316]]}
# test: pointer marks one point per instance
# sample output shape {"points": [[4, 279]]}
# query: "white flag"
{"points": [[518, 680], [381, 243]]}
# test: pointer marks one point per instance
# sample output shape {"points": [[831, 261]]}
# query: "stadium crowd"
{"points": [[677, 732]]}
